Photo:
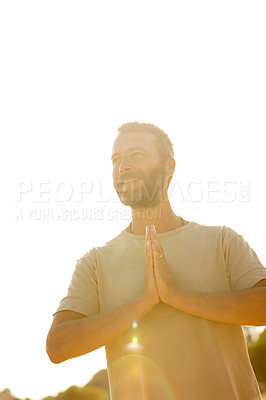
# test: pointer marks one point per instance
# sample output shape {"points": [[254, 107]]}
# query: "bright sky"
{"points": [[71, 73]]}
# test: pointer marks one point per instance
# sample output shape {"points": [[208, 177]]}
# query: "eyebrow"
{"points": [[128, 150]]}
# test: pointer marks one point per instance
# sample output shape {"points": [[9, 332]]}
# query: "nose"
{"points": [[124, 165]]}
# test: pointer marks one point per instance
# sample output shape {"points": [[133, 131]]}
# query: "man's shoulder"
{"points": [[215, 230], [207, 228], [107, 247], [91, 256]]}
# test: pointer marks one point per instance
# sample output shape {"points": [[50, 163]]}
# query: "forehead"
{"points": [[138, 140]]}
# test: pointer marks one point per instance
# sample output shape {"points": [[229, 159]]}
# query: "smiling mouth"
{"points": [[128, 180]]}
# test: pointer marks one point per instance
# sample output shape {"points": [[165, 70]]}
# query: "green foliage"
{"points": [[257, 353], [83, 393], [96, 389]]}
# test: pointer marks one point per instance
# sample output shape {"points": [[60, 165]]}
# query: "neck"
{"points": [[161, 216]]}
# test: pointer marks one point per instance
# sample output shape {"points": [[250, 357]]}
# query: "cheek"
{"points": [[115, 172]]}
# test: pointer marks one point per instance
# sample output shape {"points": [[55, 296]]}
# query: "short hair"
{"points": [[163, 143]]}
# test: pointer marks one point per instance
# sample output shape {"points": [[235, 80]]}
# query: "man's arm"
{"points": [[246, 307], [73, 334]]}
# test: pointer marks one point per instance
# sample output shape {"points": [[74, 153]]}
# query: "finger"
{"points": [[157, 250], [149, 229], [154, 236], [149, 255], [152, 230], [148, 246], [147, 237], [158, 244]]}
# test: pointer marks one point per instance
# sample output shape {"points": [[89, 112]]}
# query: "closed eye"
{"points": [[133, 154], [137, 154], [116, 160]]}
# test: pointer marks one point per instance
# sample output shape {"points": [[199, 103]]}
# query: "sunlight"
{"points": [[72, 73]]}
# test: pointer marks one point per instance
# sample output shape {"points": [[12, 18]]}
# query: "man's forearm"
{"points": [[74, 338], [247, 307]]}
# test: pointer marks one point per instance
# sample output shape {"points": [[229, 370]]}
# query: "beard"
{"points": [[145, 192]]}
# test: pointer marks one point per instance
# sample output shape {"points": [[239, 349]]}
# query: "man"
{"points": [[166, 297]]}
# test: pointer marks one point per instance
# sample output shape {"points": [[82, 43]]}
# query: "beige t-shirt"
{"points": [[178, 355]]}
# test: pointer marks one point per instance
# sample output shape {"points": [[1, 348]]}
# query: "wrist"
{"points": [[171, 298], [147, 303]]}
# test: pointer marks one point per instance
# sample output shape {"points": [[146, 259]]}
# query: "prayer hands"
{"points": [[150, 287], [159, 282]]}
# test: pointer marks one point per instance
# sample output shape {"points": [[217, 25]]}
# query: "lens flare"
{"points": [[138, 377]]}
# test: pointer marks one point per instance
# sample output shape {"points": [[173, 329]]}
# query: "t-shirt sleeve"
{"points": [[82, 293], [243, 266]]}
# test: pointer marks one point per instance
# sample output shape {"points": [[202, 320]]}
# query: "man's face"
{"points": [[138, 172]]}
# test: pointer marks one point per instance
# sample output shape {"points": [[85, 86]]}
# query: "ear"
{"points": [[170, 166]]}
